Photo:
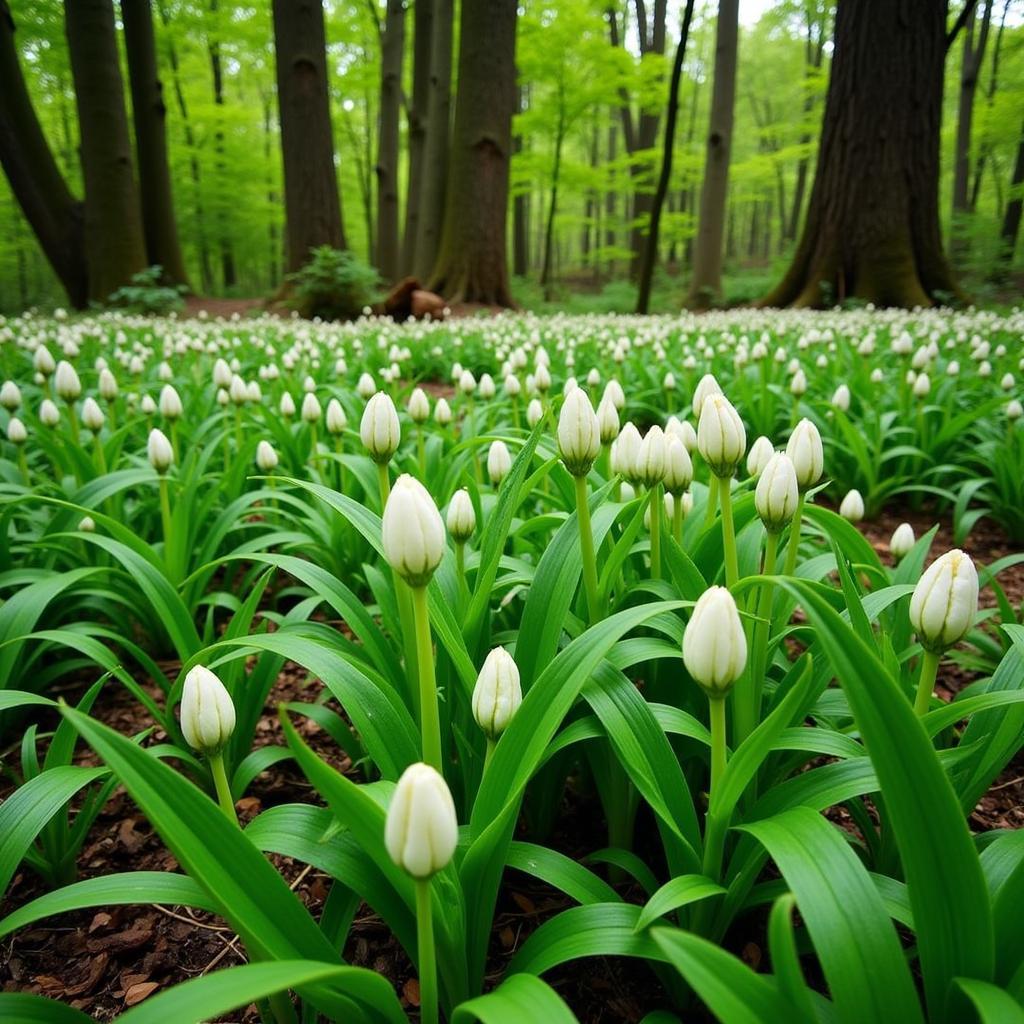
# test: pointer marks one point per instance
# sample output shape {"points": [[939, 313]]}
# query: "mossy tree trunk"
{"points": [[471, 264], [114, 244], [872, 226]]}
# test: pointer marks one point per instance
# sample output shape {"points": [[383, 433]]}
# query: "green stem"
{"points": [[383, 484], [430, 725], [425, 946], [101, 460], [23, 465], [282, 1008], [677, 518], [793, 545], [587, 548], [715, 823], [74, 422], [460, 561], [165, 514], [732, 569], [709, 512], [491, 744], [220, 782], [656, 510], [926, 683], [421, 451]]}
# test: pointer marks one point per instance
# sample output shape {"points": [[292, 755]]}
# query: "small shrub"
{"points": [[333, 285], [148, 294]]}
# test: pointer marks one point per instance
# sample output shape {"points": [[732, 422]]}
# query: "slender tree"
{"points": [[1011, 218], [520, 203], [149, 114], [471, 263], [706, 282], [312, 206], [423, 30], [114, 245], [392, 46], [872, 226], [227, 256], [54, 214]]}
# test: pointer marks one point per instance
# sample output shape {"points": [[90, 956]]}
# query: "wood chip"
{"points": [[411, 991], [139, 992]]}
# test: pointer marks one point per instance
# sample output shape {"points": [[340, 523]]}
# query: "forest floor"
{"points": [[106, 960]]}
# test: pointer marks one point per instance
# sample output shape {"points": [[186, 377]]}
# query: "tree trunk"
{"points": [[419, 126], [54, 215], [872, 227], [651, 253], [227, 256], [549, 232], [471, 263], [312, 206], [520, 206], [114, 245], [611, 199], [1011, 219], [990, 94], [392, 47], [814, 52], [149, 113], [438, 144]]}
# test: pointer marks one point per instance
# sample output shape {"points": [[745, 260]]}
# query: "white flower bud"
{"points": [[412, 531], [714, 647], [108, 385], [87, 524], [721, 439], [147, 405], [421, 830], [902, 541], [579, 433], [379, 429], [223, 398], [777, 493], [287, 405], [841, 398], [419, 406], [442, 413], [467, 382], [499, 462], [678, 466], [92, 415], [669, 381], [512, 386], [805, 449], [49, 414], [624, 452], [486, 388], [953, 369], [706, 386], [877, 376], [66, 382], [922, 385], [366, 388], [222, 374], [238, 392], [649, 466], [310, 408], [170, 403], [207, 712], [945, 601], [10, 396], [266, 457], [852, 506], [613, 390], [42, 361], [542, 379], [159, 450], [534, 412], [461, 516], [497, 694], [1007, 382], [607, 420], [336, 420], [16, 432], [798, 385], [757, 458], [1014, 410]]}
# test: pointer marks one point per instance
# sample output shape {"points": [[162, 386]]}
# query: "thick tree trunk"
{"points": [[872, 228], [392, 47], [706, 283], [227, 256], [472, 265], [312, 206], [114, 244], [54, 215], [520, 206], [437, 149], [419, 125], [556, 173], [149, 114]]}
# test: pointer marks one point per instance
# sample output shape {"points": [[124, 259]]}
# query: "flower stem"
{"points": [[430, 725], [587, 548], [677, 518], [714, 830], [793, 545], [732, 569], [460, 560], [926, 682], [165, 515], [425, 946], [220, 782], [657, 506], [421, 451], [383, 484], [709, 511]]}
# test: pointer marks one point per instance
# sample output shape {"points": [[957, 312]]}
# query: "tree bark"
{"points": [[419, 125], [159, 225], [472, 265], [438, 143], [53, 213], [706, 283], [227, 256], [520, 206], [556, 171], [392, 48], [114, 244], [990, 94], [312, 206], [1012, 216], [872, 228], [651, 254], [611, 199]]}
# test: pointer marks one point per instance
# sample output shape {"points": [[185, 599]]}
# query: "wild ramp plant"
{"points": [[734, 758]]}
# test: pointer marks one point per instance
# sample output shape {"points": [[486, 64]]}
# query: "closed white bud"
{"points": [[335, 420], [42, 361], [170, 403], [467, 382], [902, 541], [49, 414], [798, 385], [1007, 382], [852, 506], [777, 493], [678, 466], [721, 439], [1014, 410], [953, 369], [222, 374], [669, 381], [421, 829], [625, 451], [223, 398], [607, 420], [497, 694], [542, 378], [16, 432], [461, 516], [945, 601], [412, 532], [486, 388], [706, 386], [266, 457], [922, 385], [757, 458], [147, 406], [442, 413], [66, 381], [366, 388], [159, 450], [841, 398], [310, 408], [805, 449], [87, 524], [108, 385], [499, 462], [649, 467], [419, 406], [714, 647], [579, 433], [238, 392], [877, 376], [92, 415], [287, 405], [534, 412], [207, 712], [10, 396], [379, 429], [512, 386], [613, 390]]}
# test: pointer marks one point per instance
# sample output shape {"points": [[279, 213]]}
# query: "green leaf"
{"points": [[24, 1008], [519, 998], [994, 1005], [678, 892]]}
